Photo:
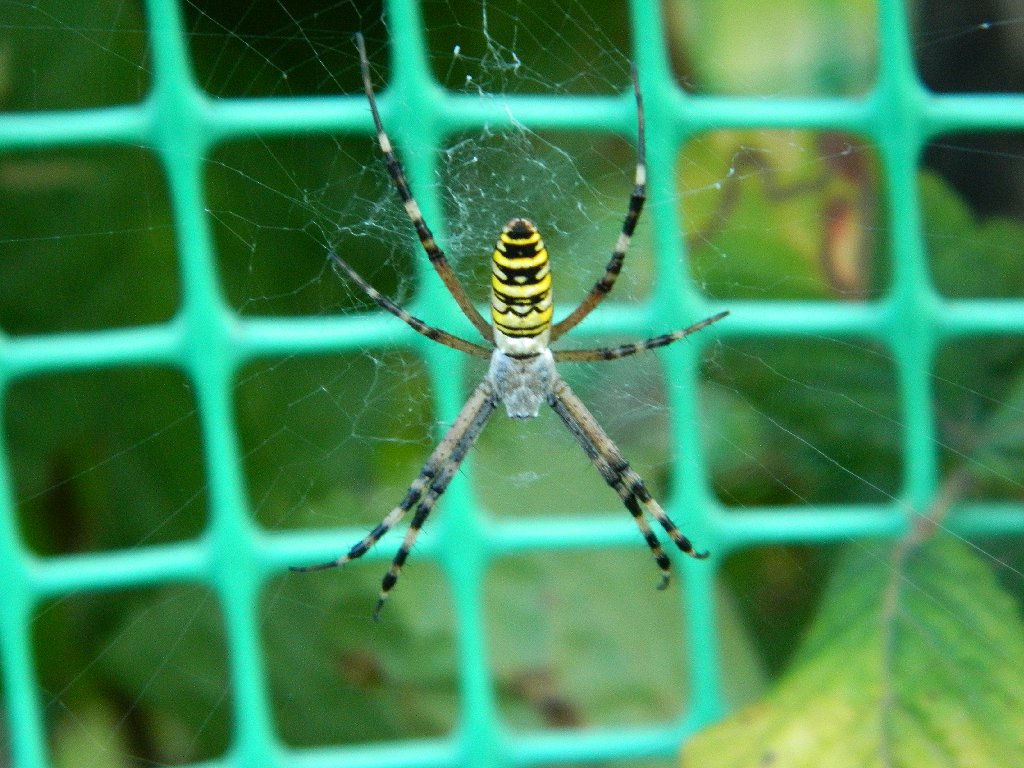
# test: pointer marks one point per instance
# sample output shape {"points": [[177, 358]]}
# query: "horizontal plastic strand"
{"points": [[142, 566], [715, 113], [130, 124], [975, 112], [413, 753], [145, 345], [596, 744]]}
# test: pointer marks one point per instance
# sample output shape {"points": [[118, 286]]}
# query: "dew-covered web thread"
{"points": [[224, 339]]}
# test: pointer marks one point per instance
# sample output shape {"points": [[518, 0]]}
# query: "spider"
{"points": [[522, 374]]}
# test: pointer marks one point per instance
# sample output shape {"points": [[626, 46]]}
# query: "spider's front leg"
{"points": [[412, 208], [606, 282]]}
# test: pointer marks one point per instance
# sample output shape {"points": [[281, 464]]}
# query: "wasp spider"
{"points": [[522, 374]]}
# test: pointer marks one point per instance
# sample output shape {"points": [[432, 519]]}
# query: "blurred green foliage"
{"points": [[733, 46], [87, 241], [103, 43], [112, 459]]}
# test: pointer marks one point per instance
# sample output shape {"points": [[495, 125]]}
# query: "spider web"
{"points": [[770, 214]]}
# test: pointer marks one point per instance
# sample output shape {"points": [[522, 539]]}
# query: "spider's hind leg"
{"points": [[636, 485], [619, 475], [364, 545], [433, 478], [472, 419]]}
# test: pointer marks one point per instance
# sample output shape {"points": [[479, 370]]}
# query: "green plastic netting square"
{"points": [[209, 343]]}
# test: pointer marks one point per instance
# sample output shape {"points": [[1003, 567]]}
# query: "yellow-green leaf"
{"points": [[917, 660]]}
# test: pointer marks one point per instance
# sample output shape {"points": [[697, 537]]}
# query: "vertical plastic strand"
{"points": [[677, 303], [899, 102], [210, 356], [413, 90], [20, 685], [463, 550]]}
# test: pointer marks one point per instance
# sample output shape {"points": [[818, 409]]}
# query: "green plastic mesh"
{"points": [[209, 342]]}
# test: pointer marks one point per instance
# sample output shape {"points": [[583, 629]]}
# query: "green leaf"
{"points": [[917, 659], [92, 738], [604, 644], [969, 258]]}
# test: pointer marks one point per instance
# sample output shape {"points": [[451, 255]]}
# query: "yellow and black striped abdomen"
{"points": [[520, 282]]}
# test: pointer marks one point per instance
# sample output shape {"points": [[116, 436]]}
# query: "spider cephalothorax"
{"points": [[522, 375]]}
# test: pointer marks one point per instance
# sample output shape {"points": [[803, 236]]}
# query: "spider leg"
{"points": [[636, 205], [628, 498], [477, 412], [618, 474], [614, 353], [432, 333], [451, 449], [426, 237]]}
